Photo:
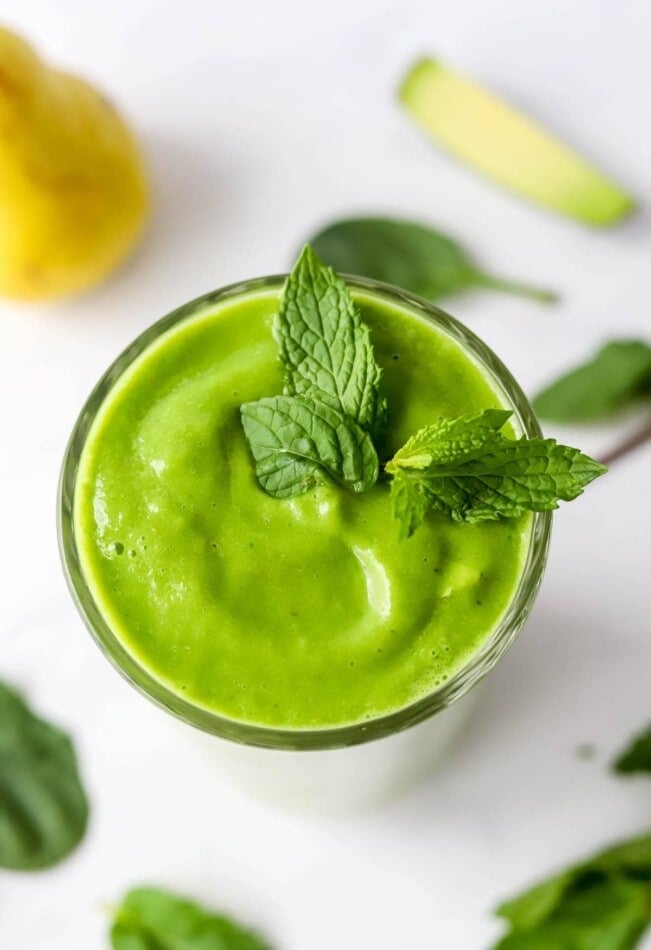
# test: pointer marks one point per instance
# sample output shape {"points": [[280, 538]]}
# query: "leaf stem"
{"points": [[514, 287], [628, 445]]}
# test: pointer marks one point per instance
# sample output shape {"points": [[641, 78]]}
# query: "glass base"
{"points": [[342, 780]]}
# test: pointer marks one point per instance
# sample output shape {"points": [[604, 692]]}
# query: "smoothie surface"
{"points": [[303, 613]]}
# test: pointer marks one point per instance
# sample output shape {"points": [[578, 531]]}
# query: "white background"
{"points": [[263, 120]]}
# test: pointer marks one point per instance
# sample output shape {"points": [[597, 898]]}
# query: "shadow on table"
{"points": [[561, 689]]}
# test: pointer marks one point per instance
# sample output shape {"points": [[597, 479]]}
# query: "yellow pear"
{"points": [[73, 188]]}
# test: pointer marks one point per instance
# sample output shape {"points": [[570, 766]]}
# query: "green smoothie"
{"points": [[303, 613]]}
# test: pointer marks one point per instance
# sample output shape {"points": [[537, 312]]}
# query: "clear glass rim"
{"points": [[282, 738]]}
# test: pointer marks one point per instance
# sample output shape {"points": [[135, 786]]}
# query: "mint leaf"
{"points": [[637, 757], [408, 255], [447, 439], [409, 503], [325, 347], [153, 919], [604, 902], [297, 442], [617, 375], [470, 472], [505, 478], [43, 806]]}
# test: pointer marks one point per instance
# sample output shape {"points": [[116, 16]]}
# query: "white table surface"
{"points": [[263, 120]]}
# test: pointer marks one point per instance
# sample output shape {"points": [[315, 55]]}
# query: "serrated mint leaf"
{"points": [[153, 919], [602, 903], [616, 376], [507, 477], [637, 757], [43, 806], [325, 347], [297, 442], [466, 469], [409, 255], [408, 503], [447, 439]]}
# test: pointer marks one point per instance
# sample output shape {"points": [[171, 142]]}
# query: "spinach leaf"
{"points": [[43, 807], [603, 903], [410, 256], [153, 919], [617, 375], [637, 757]]}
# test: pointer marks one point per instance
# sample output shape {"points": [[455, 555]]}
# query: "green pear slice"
{"points": [[505, 145]]}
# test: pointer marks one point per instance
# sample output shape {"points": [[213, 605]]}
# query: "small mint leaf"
{"points": [[325, 347], [408, 503], [297, 442], [447, 439]]}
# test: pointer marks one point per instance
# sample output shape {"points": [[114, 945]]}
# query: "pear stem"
{"points": [[514, 287]]}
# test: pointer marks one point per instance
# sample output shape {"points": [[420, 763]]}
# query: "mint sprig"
{"points": [[324, 426], [325, 347], [468, 470]]}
